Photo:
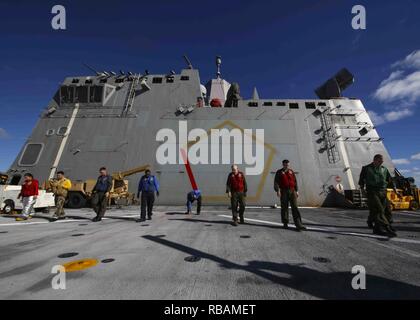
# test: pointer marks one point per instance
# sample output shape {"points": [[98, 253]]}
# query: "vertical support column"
{"points": [[64, 141]]}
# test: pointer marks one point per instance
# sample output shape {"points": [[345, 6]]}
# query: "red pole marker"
{"points": [[189, 171]]}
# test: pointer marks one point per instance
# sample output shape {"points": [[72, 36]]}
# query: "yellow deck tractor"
{"points": [[81, 191], [403, 202], [119, 194], [409, 197]]}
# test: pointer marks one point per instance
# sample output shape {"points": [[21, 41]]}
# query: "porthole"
{"points": [[62, 131]]}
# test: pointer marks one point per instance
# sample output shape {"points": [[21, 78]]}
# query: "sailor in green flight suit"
{"points": [[376, 178]]}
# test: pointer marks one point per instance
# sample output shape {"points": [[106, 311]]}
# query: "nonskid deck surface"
{"points": [[258, 260]]}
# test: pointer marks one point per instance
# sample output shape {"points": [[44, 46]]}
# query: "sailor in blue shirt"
{"points": [[148, 185], [191, 197]]}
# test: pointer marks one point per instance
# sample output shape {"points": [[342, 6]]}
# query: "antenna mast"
{"points": [[218, 64], [188, 62], [90, 68]]}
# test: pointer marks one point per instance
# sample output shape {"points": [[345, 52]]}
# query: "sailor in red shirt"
{"points": [[236, 188], [29, 194], [285, 184]]}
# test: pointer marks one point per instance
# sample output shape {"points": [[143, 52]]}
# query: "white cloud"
{"points": [[376, 118], [394, 75], [415, 156], [400, 91], [400, 86], [389, 116], [412, 60], [400, 161], [397, 115], [3, 134], [405, 171]]}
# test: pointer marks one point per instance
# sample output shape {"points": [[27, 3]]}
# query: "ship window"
{"points": [[67, 94], [75, 80], [50, 132], [157, 80], [322, 104], [294, 105], [267, 104], [103, 80], [81, 94], [253, 104], [119, 80], [31, 154], [281, 104], [185, 78], [89, 81], [15, 180], [310, 105], [170, 80], [95, 94], [61, 131]]}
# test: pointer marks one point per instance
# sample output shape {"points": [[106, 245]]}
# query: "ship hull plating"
{"points": [[323, 139]]}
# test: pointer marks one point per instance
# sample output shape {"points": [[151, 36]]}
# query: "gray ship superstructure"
{"points": [[112, 120]]}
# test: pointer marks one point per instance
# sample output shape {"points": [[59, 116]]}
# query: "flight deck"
{"points": [[178, 256]]}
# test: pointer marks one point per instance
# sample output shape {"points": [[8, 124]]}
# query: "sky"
{"points": [[284, 48]]}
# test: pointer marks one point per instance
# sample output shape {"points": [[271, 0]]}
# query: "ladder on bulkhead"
{"points": [[131, 95], [329, 138]]}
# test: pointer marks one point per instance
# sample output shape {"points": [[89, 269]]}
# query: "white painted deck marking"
{"points": [[334, 230], [26, 223]]}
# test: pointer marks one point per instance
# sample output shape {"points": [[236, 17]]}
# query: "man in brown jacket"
{"points": [[60, 187]]}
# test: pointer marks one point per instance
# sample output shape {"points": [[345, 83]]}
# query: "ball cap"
{"points": [[286, 161]]}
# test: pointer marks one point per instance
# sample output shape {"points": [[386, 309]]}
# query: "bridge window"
{"points": [[185, 78], [294, 105], [31, 154], [267, 104], [253, 104], [281, 104], [310, 105], [81, 94], [157, 80], [67, 94], [95, 94]]}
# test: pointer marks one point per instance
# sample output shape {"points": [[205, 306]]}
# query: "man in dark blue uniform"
{"points": [[191, 197], [148, 185], [100, 194]]}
